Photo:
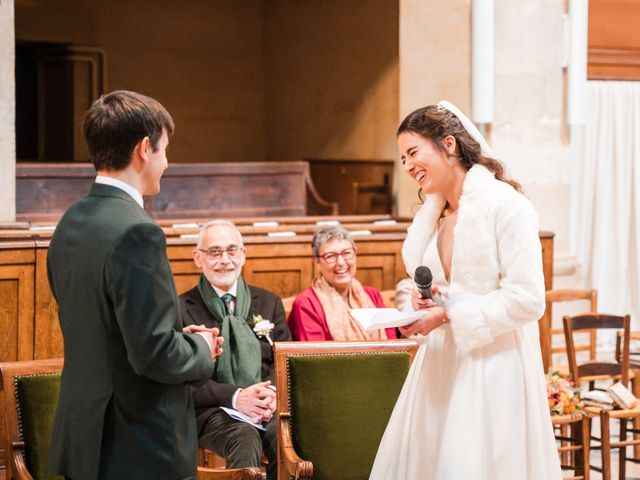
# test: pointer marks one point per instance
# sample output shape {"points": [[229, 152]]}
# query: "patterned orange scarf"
{"points": [[341, 325]]}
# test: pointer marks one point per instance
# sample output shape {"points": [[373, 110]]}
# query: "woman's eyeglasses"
{"points": [[332, 257], [215, 253]]}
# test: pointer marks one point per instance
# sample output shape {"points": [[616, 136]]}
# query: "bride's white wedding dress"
{"points": [[474, 405]]}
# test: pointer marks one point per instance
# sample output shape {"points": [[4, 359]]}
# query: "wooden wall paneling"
{"points": [[189, 190], [613, 64], [48, 342], [28, 313], [546, 240], [614, 40], [284, 267], [70, 78], [376, 271], [312, 219], [301, 229], [285, 277], [185, 273], [231, 189], [334, 179], [17, 282], [45, 190], [17, 273], [384, 245]]}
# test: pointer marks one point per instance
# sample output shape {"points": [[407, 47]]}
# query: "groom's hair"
{"points": [[116, 122]]}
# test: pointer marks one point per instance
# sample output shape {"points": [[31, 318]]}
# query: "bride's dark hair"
{"points": [[435, 123]]}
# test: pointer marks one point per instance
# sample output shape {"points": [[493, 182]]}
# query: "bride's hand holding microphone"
{"points": [[422, 299]]}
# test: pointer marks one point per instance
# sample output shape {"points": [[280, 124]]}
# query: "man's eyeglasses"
{"points": [[332, 257], [215, 252]]}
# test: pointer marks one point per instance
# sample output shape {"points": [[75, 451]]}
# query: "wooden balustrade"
{"points": [[282, 264]]}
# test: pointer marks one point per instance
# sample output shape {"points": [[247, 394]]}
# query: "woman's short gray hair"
{"points": [[326, 234]]}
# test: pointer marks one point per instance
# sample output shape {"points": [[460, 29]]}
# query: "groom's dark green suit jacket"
{"points": [[125, 411]]}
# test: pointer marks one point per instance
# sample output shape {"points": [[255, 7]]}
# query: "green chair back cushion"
{"points": [[340, 406], [37, 397]]}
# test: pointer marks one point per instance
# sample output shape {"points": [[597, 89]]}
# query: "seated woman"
{"points": [[321, 312]]}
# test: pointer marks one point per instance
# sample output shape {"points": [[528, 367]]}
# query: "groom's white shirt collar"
{"points": [[114, 182]]}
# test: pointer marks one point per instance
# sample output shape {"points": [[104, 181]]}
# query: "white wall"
{"points": [[530, 133], [332, 86], [435, 64], [7, 113]]}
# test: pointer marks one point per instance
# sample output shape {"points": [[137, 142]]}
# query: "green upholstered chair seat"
{"points": [[340, 406], [37, 397]]}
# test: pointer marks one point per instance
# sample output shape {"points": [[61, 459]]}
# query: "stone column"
{"points": [[530, 130], [435, 64], [7, 113]]}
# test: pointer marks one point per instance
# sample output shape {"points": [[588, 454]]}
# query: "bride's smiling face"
{"points": [[429, 165]]}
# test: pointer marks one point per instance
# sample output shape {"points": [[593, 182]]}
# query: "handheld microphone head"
{"points": [[423, 279], [423, 276]]}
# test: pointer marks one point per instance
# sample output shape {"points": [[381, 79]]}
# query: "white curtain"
{"points": [[605, 208]]}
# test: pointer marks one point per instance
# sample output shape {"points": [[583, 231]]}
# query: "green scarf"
{"points": [[241, 360]]}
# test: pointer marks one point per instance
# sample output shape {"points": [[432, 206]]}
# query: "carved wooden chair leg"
{"points": [[585, 431], [605, 440], [622, 455], [635, 388], [567, 457]]}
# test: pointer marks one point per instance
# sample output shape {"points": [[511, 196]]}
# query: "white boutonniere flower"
{"points": [[263, 327]]}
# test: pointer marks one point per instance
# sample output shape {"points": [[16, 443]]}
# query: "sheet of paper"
{"points": [[236, 415], [185, 225], [265, 224], [374, 318], [43, 227], [385, 222]]}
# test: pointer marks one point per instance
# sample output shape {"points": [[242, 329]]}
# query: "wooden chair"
{"points": [[634, 365], [597, 370], [30, 392], [573, 436], [334, 402], [547, 332]]}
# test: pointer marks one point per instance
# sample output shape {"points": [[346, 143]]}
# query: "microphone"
{"points": [[423, 279]]}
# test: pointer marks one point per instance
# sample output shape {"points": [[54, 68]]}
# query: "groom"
{"points": [[124, 410]]}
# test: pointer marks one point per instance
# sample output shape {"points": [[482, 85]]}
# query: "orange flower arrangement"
{"points": [[562, 395]]}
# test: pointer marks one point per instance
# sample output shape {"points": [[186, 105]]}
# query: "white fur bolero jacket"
{"points": [[496, 280]]}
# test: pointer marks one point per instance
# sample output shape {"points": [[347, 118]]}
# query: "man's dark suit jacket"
{"points": [[211, 395], [125, 411]]}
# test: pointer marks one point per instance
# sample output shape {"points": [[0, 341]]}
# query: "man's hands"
{"points": [[258, 401], [211, 335], [434, 315]]}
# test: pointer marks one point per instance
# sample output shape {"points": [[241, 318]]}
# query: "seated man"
{"points": [[244, 372]]}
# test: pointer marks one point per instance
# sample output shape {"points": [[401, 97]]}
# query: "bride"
{"points": [[474, 403]]}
